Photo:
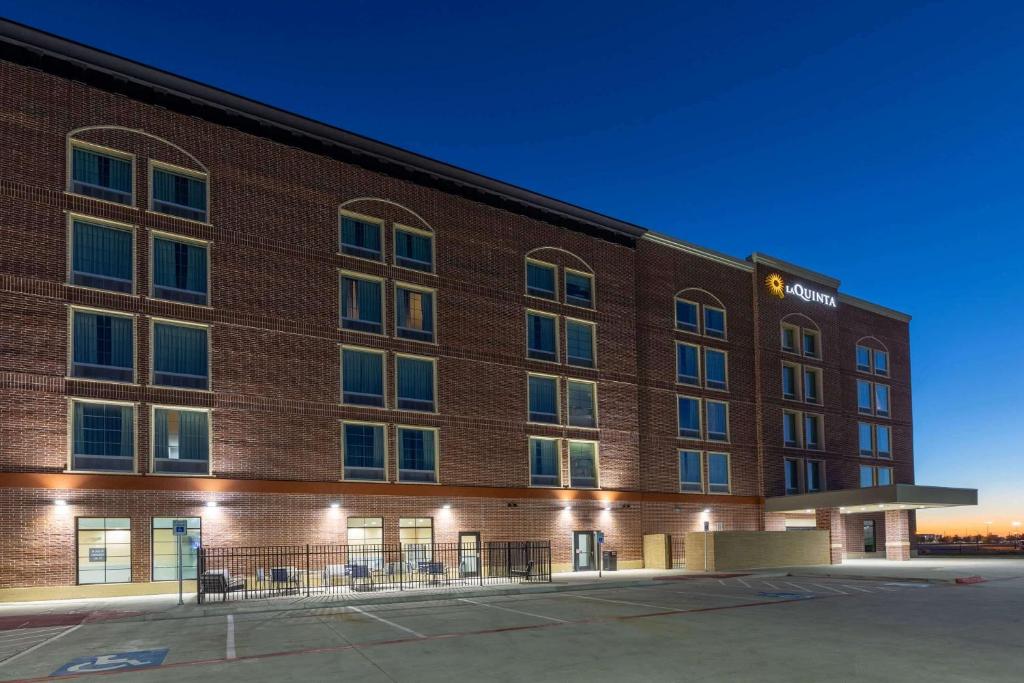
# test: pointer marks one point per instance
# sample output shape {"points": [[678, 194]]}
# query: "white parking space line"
{"points": [[517, 611], [771, 585], [855, 588], [39, 645], [829, 588], [703, 594], [20, 636], [389, 623], [619, 602], [229, 647], [745, 584], [799, 588], [721, 581]]}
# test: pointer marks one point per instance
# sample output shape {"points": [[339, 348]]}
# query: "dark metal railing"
{"points": [[270, 571]]}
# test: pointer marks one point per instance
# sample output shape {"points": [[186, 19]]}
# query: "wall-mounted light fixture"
{"points": [[211, 503], [60, 502], [335, 505], [446, 506]]}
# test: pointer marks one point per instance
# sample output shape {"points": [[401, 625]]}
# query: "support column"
{"points": [[897, 535], [829, 519]]}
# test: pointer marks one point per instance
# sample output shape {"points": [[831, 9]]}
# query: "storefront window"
{"points": [[104, 550], [416, 534], [165, 551]]}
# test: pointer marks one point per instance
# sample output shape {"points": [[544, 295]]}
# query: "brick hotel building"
{"points": [[286, 333]]}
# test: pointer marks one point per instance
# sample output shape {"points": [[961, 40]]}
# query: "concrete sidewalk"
{"points": [[928, 570]]}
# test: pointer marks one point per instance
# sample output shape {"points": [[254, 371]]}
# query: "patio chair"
{"points": [[361, 573], [221, 581], [435, 570], [289, 576], [523, 572]]}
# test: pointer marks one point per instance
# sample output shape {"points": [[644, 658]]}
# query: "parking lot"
{"points": [[750, 627]]}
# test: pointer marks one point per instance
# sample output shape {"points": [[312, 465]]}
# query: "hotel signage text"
{"points": [[778, 287]]}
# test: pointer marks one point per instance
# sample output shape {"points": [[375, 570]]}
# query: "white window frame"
{"points": [[437, 391], [71, 350], [728, 473], [558, 342], [398, 285], [383, 380], [108, 151], [558, 398], [526, 278], [362, 218], [697, 378], [153, 321], [152, 440], [356, 275], [593, 288], [205, 244], [558, 460], [728, 430], [700, 468], [400, 227], [593, 342], [384, 436], [177, 170], [597, 463], [700, 418], [437, 453], [72, 217], [568, 413], [70, 462]]}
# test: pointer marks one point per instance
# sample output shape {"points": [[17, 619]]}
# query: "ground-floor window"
{"points": [[365, 530], [165, 549], [104, 549], [416, 534]]}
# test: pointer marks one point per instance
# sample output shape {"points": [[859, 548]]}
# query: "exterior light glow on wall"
{"points": [[211, 503], [60, 502], [446, 506], [335, 505]]}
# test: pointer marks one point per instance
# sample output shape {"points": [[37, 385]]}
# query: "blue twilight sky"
{"points": [[878, 142]]}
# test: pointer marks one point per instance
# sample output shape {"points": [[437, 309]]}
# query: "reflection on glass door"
{"points": [[104, 549], [583, 551], [869, 535], [469, 553]]}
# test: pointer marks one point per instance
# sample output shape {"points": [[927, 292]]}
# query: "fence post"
{"points": [[307, 570], [401, 569], [199, 575]]}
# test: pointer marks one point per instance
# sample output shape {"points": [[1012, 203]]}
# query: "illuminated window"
{"points": [[104, 546], [414, 311], [365, 530], [181, 441], [583, 464], [165, 548], [416, 536]]}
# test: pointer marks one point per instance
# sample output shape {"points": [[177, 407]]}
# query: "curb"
{"points": [[873, 577]]}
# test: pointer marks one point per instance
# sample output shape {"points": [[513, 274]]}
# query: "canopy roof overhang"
{"points": [[874, 499]]}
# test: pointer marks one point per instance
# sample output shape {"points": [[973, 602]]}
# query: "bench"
{"points": [[221, 581], [526, 572]]}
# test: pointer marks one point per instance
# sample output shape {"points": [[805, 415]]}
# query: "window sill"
{"points": [[195, 391], [181, 474], [131, 206], [205, 224], [148, 297], [101, 381], [86, 288], [361, 405], [419, 483], [120, 474]]}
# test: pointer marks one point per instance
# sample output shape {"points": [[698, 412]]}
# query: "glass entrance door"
{"points": [[583, 551], [869, 535], [469, 553]]}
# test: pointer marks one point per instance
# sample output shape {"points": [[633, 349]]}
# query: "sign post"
{"points": [[707, 527], [180, 530], [600, 555]]}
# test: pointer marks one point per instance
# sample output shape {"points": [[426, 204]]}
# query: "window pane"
{"points": [[103, 437], [810, 344], [718, 473], [881, 362], [103, 347], [544, 462], [543, 399], [578, 289], [792, 476], [718, 421], [360, 238], [101, 176], [686, 316], [686, 364], [104, 550], [864, 438], [714, 322], [863, 396], [101, 257], [863, 358], [582, 407], [179, 271], [361, 305], [362, 374], [179, 195], [788, 381], [415, 312], [180, 356], [790, 436], [540, 337], [714, 369], [579, 342], [882, 399], [867, 476], [413, 250], [788, 338], [582, 464], [415, 383], [165, 548], [416, 455], [364, 451], [181, 441], [689, 471], [689, 417], [540, 280], [812, 428], [811, 386], [882, 436], [813, 476], [884, 476]]}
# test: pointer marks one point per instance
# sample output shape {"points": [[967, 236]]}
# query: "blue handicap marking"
{"points": [[119, 661], [787, 596]]}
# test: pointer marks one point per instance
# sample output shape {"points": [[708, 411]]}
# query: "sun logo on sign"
{"points": [[776, 285]]}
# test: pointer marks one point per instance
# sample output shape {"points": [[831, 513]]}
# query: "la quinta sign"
{"points": [[778, 287]]}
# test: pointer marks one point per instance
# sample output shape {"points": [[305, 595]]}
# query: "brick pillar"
{"points": [[829, 519], [897, 535]]}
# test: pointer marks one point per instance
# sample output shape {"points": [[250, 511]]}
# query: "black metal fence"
{"points": [[269, 571]]}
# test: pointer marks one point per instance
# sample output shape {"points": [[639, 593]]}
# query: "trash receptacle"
{"points": [[610, 560]]}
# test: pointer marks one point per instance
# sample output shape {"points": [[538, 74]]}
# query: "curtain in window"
{"points": [[715, 367], [412, 246], [416, 310], [179, 265], [716, 418], [359, 234], [102, 339], [364, 446], [581, 405], [415, 379], [544, 460], [542, 333], [718, 469], [102, 429], [577, 287], [687, 361], [417, 450], [689, 467], [582, 468], [689, 414], [179, 189], [540, 278], [102, 170], [543, 396], [192, 434], [180, 350], [579, 341], [100, 250], [361, 300], [363, 372]]}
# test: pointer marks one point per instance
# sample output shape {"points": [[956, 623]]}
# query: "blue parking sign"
{"points": [[118, 661]]}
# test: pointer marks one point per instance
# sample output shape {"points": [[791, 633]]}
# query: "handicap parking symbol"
{"points": [[118, 661], [787, 596]]}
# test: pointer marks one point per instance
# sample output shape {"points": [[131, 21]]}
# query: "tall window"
{"points": [[540, 279], [881, 362], [883, 446], [791, 429], [180, 356], [863, 358], [541, 336], [582, 403], [416, 535], [104, 550], [689, 417], [179, 194], [544, 469], [165, 548], [864, 403], [362, 377], [417, 454], [363, 451], [414, 308], [789, 381], [873, 398], [874, 440], [718, 473], [690, 477], [789, 335], [882, 400], [791, 466], [714, 322], [687, 363], [362, 304], [812, 432], [872, 361], [814, 478], [717, 420], [864, 435], [715, 373], [812, 385], [102, 256], [579, 288], [543, 399], [103, 437], [181, 441], [808, 339], [102, 346], [365, 530], [105, 176], [360, 238], [180, 270], [686, 316], [415, 383], [579, 343], [583, 464], [414, 249], [811, 343]]}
